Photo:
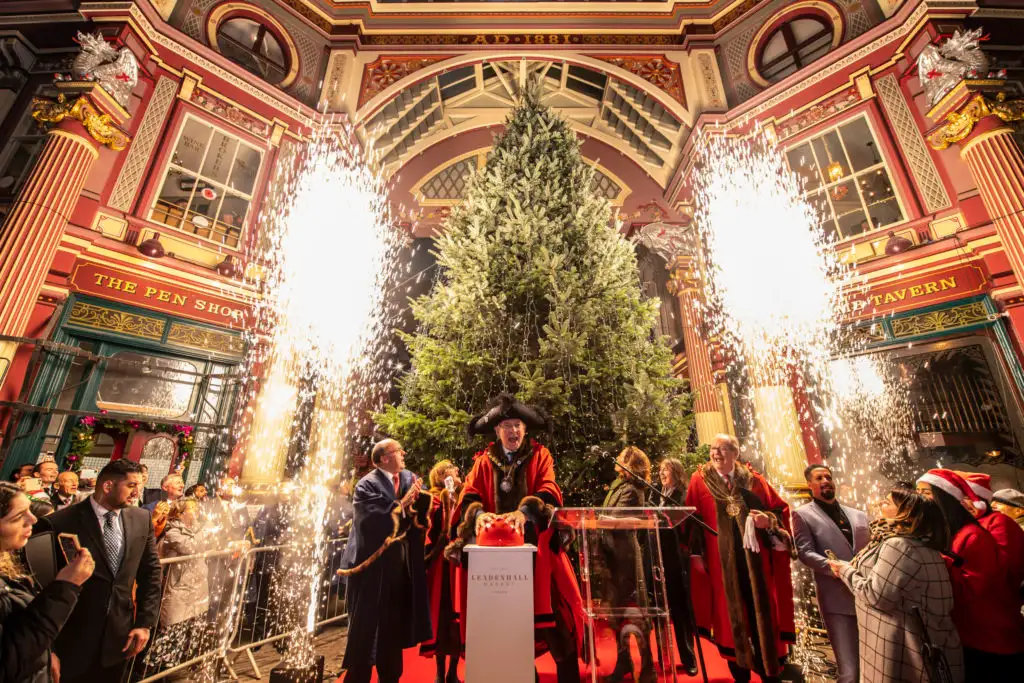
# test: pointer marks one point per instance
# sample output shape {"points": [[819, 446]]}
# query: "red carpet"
{"points": [[421, 670]]}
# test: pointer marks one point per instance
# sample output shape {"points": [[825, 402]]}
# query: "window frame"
{"points": [[825, 187], [255, 50], [793, 47], [234, 10], [33, 132], [168, 164], [821, 9]]}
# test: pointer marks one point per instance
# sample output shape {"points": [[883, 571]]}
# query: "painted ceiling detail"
{"points": [[379, 74], [480, 95], [657, 70], [449, 185]]}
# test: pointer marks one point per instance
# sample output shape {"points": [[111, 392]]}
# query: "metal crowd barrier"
{"points": [[198, 633]]}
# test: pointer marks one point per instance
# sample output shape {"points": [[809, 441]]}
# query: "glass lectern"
{"points": [[624, 595]]}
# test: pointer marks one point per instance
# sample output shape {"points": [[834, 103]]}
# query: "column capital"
{"points": [[968, 110], [683, 276], [89, 104]]}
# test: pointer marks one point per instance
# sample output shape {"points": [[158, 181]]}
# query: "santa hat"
{"points": [[980, 483], [953, 484]]}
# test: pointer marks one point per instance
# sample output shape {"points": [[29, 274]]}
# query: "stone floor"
{"points": [[330, 643]]}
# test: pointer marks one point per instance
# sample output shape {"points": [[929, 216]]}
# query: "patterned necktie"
{"points": [[112, 541], [398, 485]]}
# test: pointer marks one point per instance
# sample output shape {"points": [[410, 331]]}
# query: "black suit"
{"points": [[90, 644], [677, 584], [387, 602], [150, 496]]}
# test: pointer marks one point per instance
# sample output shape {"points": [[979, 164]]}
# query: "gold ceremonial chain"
{"points": [[508, 471], [733, 503]]}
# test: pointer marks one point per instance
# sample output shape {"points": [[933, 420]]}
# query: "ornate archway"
{"points": [[599, 99]]}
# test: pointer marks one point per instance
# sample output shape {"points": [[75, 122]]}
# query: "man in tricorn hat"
{"points": [[515, 474]]}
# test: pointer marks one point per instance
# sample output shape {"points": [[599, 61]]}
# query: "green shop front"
{"points": [[119, 380]]}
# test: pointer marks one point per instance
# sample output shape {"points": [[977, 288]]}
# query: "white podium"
{"points": [[499, 622]]}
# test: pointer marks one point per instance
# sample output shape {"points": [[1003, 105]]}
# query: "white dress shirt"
{"points": [[101, 516]]}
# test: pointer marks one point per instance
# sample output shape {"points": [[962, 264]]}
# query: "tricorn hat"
{"points": [[505, 407]]}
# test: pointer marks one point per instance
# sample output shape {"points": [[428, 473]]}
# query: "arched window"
{"points": [[794, 45], [250, 44]]}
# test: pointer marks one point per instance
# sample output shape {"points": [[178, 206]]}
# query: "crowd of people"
{"points": [[927, 587], [111, 602]]}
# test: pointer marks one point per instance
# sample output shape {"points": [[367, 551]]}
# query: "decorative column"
{"points": [[975, 115], [83, 117], [778, 421], [709, 412]]}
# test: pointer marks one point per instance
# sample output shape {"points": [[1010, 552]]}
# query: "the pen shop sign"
{"points": [[918, 292], [138, 290]]}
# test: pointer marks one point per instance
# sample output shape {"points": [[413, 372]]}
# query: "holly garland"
{"points": [[83, 437]]}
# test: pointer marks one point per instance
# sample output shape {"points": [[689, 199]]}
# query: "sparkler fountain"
{"points": [[778, 301], [778, 298], [775, 285], [327, 240]]}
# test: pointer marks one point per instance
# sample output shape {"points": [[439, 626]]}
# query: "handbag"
{"points": [[935, 662]]}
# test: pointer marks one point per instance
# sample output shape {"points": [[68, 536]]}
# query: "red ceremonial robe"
{"points": [[717, 593], [440, 581], [985, 612], [552, 572]]}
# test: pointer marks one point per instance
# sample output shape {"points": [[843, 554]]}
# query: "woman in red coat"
{"points": [[1008, 535], [985, 611], [446, 643]]}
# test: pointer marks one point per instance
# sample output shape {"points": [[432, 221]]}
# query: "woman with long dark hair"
{"points": [[903, 593], [30, 617], [985, 611]]}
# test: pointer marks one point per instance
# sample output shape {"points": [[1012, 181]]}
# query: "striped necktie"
{"points": [[112, 542]]}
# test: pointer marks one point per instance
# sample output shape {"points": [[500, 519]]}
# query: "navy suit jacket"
{"points": [[392, 589], [372, 503]]}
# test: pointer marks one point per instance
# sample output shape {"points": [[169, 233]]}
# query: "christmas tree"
{"points": [[538, 294]]}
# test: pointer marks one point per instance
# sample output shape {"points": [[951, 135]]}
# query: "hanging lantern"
{"points": [[835, 172]]}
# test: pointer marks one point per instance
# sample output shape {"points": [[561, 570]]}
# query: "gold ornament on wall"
{"points": [[99, 126], [959, 124]]}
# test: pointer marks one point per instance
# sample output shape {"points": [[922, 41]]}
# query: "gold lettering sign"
{"points": [[914, 291], [917, 292], [110, 283]]}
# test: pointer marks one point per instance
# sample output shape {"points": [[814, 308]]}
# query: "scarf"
{"points": [[882, 530]]}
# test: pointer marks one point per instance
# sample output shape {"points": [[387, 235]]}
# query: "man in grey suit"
{"points": [[825, 525]]}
